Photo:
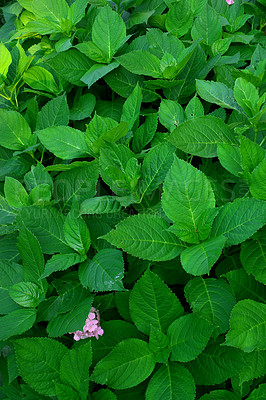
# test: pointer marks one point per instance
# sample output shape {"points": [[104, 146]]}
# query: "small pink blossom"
{"points": [[91, 328], [230, 2]]}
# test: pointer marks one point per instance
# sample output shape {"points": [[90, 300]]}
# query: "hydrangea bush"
{"points": [[132, 200]]}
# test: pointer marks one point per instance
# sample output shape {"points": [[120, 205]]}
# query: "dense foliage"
{"points": [[132, 197]]}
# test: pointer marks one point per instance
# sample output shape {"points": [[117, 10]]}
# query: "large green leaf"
{"points": [[188, 336], [213, 298], [217, 93], [83, 107], [219, 395], [171, 382], [145, 236], [260, 392], [14, 130], [16, 322], [130, 363], [131, 107], [257, 181], [10, 273], [6, 60], [108, 32], [198, 259], [49, 8], [255, 366], [39, 78], [187, 194], [245, 286], [207, 26], [179, 18], [247, 326], [61, 262], [251, 154], [216, 364], [201, 135], [26, 294], [15, 193], [104, 272], [171, 114], [100, 205], [96, 72], [65, 142], [54, 113], [153, 304], [47, 225], [230, 157], [239, 220], [253, 257], [43, 356], [70, 371], [141, 62]]}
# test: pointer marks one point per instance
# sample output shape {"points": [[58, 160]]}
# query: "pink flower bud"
{"points": [[92, 326], [230, 2]]}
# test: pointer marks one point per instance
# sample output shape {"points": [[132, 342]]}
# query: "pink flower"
{"points": [[230, 2], [91, 328]]}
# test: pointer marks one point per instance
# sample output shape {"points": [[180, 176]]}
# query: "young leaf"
{"points": [[188, 337], [230, 157], [153, 304], [200, 136], [65, 142], [128, 364], [239, 220], [26, 294], [39, 78], [42, 355], [253, 257], [187, 193], [171, 381], [247, 326], [71, 372], [141, 62], [54, 113], [6, 60], [251, 154], [213, 298], [108, 32], [77, 234], [194, 108], [14, 130], [134, 236], [104, 272], [247, 96], [16, 322], [15, 193], [170, 114], [96, 72], [144, 133], [207, 26], [37, 176], [179, 18]]}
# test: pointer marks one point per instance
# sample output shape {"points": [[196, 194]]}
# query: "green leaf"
{"points": [[179, 18], [61, 262], [207, 26], [10, 273], [170, 382], [79, 182], [219, 395], [198, 259], [247, 326], [153, 304], [103, 394], [141, 62], [37, 176], [155, 167], [6, 60], [15, 193], [146, 237], [71, 65], [257, 181], [77, 234], [188, 337], [144, 133], [217, 93], [200, 136], [104, 272], [162, 43], [128, 364], [77, 10], [194, 108], [131, 107], [259, 393], [43, 356], [247, 96], [14, 130], [170, 114], [83, 107], [74, 369], [255, 365], [31, 254], [70, 321], [230, 157], [213, 298], [159, 344], [65, 142], [187, 193], [39, 78], [92, 51], [251, 154], [64, 392], [26, 294], [253, 257], [47, 225], [216, 364], [54, 113], [16, 323], [245, 286], [239, 220], [55, 11], [100, 205], [98, 71], [108, 32]]}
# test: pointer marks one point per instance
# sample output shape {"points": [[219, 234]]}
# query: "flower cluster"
{"points": [[230, 2], [91, 328]]}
